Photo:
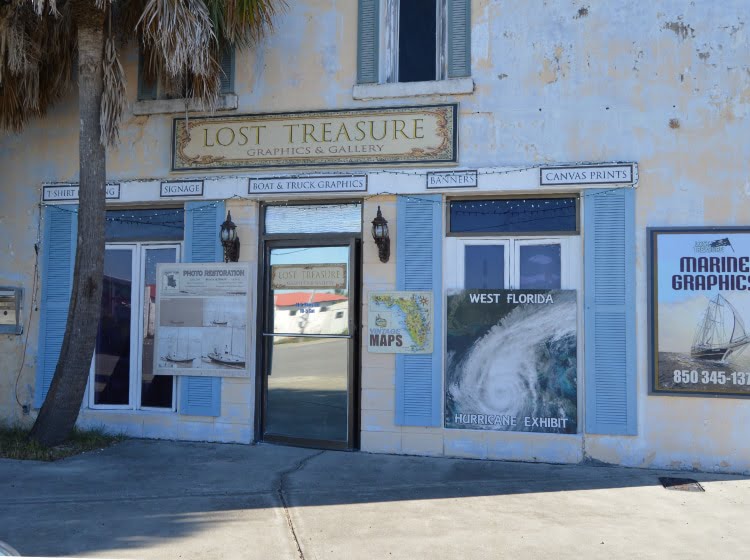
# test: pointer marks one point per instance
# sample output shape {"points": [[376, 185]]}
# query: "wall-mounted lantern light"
{"points": [[380, 235], [229, 240]]}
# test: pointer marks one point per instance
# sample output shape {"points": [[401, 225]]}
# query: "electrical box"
{"points": [[10, 310]]}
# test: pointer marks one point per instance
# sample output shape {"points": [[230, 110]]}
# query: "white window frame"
{"points": [[390, 39], [571, 266], [138, 267], [571, 278]]}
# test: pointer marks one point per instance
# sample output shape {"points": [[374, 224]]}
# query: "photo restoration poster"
{"points": [[699, 305], [202, 312]]}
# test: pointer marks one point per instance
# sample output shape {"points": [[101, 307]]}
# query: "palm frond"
{"points": [[114, 97], [35, 60], [242, 23]]}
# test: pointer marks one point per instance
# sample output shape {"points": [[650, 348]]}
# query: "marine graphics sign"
{"points": [[700, 311], [511, 361], [420, 134]]}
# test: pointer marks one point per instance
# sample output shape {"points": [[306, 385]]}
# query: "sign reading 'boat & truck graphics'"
{"points": [[511, 362], [200, 319], [699, 306], [400, 323], [393, 135]]}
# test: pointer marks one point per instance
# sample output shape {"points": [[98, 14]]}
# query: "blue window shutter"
{"points": [[202, 223], [58, 258], [227, 69], [419, 267], [201, 396], [368, 41], [459, 38], [147, 88], [609, 300]]}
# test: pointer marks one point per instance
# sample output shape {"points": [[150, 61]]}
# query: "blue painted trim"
{"points": [[195, 384], [50, 214], [631, 428], [215, 212], [626, 196], [433, 417], [218, 209]]}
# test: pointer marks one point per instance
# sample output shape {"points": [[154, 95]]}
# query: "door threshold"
{"points": [[308, 443]]}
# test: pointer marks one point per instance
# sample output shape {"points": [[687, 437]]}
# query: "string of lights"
{"points": [[475, 205]]}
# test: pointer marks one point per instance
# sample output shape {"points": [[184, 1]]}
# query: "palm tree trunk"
{"points": [[63, 402]]}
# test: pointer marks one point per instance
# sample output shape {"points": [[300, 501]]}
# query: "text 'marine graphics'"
{"points": [[700, 311]]}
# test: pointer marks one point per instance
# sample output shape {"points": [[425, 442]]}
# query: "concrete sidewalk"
{"points": [[157, 499]]}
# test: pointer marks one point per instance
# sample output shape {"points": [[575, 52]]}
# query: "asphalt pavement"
{"points": [[161, 499]]}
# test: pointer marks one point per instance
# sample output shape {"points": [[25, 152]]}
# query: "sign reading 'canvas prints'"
{"points": [[700, 304], [512, 361]]}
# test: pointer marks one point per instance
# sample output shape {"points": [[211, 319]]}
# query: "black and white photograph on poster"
{"points": [[202, 319], [700, 311], [512, 361]]}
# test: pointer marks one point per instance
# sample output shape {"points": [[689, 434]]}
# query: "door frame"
{"points": [[264, 306], [138, 249]]}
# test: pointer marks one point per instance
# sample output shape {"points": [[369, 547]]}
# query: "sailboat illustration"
{"points": [[227, 357], [176, 357], [720, 333], [220, 320]]}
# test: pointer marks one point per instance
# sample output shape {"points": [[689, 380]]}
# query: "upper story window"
{"points": [[413, 40], [151, 87]]}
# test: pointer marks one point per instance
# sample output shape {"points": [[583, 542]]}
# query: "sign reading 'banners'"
{"points": [[700, 308], [423, 134], [512, 361]]}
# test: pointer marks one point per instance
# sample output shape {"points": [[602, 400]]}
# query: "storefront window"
{"points": [[540, 266], [122, 369], [162, 224], [514, 216], [314, 218], [484, 267]]}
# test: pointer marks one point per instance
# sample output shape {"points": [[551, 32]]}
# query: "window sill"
{"points": [[454, 86], [227, 102]]}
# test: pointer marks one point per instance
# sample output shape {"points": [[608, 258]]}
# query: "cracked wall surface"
{"points": [[663, 83]]}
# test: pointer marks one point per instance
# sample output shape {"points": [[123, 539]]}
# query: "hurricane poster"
{"points": [[512, 361], [201, 319], [700, 311]]}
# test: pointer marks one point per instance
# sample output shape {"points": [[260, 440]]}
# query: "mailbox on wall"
{"points": [[10, 310]]}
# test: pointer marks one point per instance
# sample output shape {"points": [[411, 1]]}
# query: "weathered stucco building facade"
{"points": [[655, 94]]}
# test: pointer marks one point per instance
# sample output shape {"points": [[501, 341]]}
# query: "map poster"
{"points": [[511, 361], [400, 323], [700, 311], [200, 319]]}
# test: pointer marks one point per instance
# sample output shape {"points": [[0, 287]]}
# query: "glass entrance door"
{"points": [[309, 333]]}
